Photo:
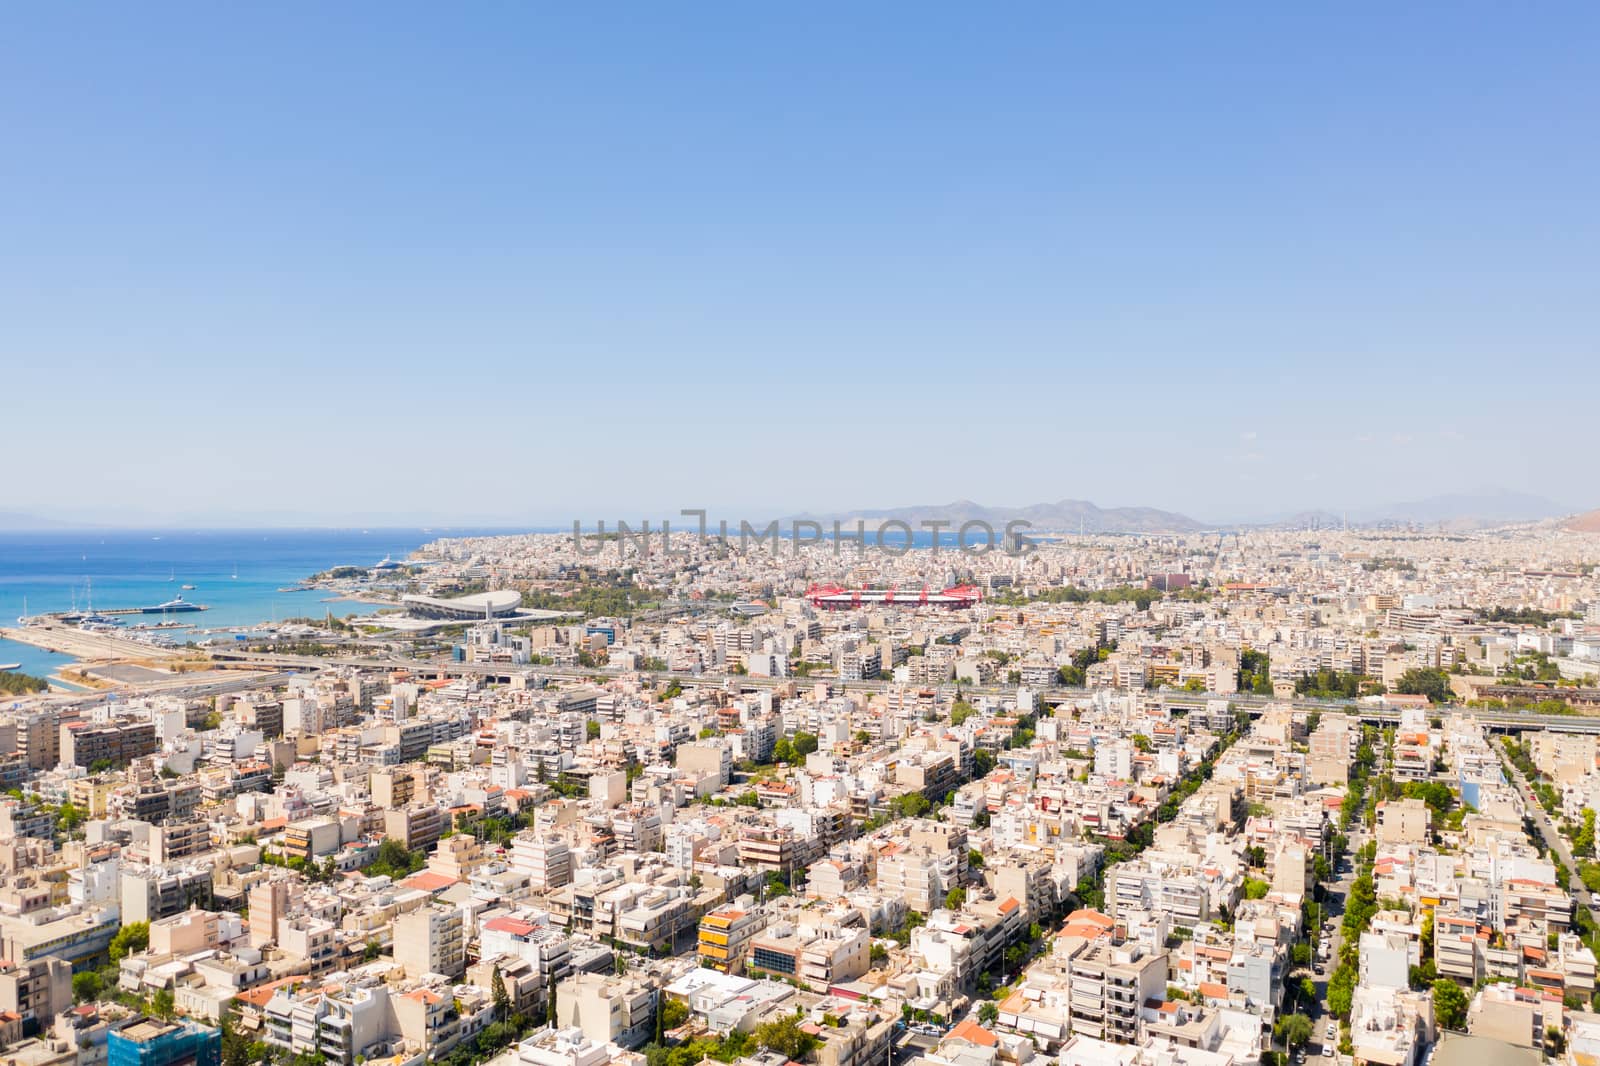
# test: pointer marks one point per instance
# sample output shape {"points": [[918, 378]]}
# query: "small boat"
{"points": [[187, 588], [10, 668]]}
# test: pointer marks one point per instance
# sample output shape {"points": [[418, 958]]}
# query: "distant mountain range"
{"points": [[1485, 508], [15, 521], [1063, 515], [1456, 510]]}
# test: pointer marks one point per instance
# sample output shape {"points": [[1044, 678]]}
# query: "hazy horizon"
{"points": [[87, 520]]}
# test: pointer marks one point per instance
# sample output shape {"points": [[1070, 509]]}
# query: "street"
{"points": [[1553, 840]]}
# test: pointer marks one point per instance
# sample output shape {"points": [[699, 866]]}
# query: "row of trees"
{"points": [[784, 1035], [1336, 684], [1138, 595], [1076, 673], [16, 684], [1255, 672]]}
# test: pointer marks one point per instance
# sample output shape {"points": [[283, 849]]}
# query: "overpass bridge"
{"points": [[503, 673]]}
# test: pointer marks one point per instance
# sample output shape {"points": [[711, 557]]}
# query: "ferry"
{"points": [[176, 604]]}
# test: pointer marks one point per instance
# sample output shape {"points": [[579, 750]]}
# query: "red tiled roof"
{"points": [[973, 1033]]}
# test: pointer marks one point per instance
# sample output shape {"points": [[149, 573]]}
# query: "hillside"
{"points": [[1588, 522]]}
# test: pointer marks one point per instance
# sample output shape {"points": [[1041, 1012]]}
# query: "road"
{"points": [[1378, 714], [1335, 893], [1553, 839]]}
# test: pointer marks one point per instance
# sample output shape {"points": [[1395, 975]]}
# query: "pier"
{"points": [[91, 648], [146, 610]]}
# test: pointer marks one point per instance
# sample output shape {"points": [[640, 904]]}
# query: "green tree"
{"points": [[502, 998], [1294, 1030], [85, 987], [162, 1003], [1583, 843], [911, 805], [1255, 888], [15, 684], [69, 817], [804, 744], [988, 1012], [1449, 1004], [955, 898], [130, 940], [1341, 990], [674, 1012], [960, 711], [786, 1037], [591, 729], [1434, 684]]}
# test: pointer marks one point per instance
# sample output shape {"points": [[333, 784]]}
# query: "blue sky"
{"points": [[506, 261]]}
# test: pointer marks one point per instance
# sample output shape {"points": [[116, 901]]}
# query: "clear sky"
{"points": [[343, 262]]}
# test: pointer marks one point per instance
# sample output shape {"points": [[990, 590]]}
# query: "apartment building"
{"points": [[776, 848], [818, 956], [417, 827], [725, 934], [36, 990], [311, 838], [116, 743], [1185, 896], [310, 939], [545, 858], [1402, 822], [148, 1042], [431, 939], [153, 892], [1108, 985], [616, 1010], [1458, 941]]}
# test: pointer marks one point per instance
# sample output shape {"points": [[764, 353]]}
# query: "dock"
{"points": [[88, 647], [141, 610]]}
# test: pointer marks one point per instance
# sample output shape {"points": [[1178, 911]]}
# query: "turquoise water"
{"points": [[236, 573], [35, 661]]}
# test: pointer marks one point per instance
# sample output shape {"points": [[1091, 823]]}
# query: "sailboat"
{"points": [[236, 571], [92, 620], [23, 619]]}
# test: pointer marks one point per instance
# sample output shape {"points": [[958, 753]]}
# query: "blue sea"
{"points": [[236, 573]]}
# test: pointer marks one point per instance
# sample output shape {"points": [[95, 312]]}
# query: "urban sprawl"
{"points": [[1186, 800]]}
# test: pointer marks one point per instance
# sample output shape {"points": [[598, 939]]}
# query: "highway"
{"points": [[178, 686], [1375, 713]]}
